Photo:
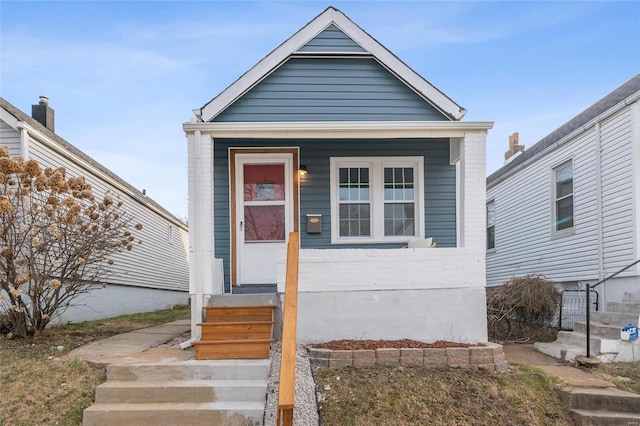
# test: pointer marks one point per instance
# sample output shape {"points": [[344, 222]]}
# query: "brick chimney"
{"points": [[514, 147], [43, 114]]}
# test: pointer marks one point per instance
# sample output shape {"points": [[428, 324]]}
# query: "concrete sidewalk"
{"points": [[572, 376], [160, 343]]}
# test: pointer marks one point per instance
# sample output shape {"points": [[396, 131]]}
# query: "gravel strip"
{"points": [[305, 412]]}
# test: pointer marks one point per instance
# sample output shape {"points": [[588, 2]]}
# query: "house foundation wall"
{"points": [[117, 300], [457, 314]]}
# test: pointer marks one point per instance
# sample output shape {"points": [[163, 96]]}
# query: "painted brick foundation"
{"points": [[489, 357]]}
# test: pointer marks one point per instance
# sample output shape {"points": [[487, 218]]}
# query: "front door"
{"points": [[264, 213]]}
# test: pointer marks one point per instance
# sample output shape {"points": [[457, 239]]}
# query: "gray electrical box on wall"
{"points": [[314, 223]]}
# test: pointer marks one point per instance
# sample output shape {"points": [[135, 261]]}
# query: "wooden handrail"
{"points": [[286, 387]]}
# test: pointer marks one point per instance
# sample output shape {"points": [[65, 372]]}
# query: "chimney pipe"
{"points": [[514, 147], [43, 113]]}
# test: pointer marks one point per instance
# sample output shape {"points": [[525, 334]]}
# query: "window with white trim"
{"points": [[376, 199], [563, 194], [491, 225]]}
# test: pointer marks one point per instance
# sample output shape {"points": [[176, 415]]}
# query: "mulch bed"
{"points": [[394, 344]]}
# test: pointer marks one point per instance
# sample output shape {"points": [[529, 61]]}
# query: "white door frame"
{"points": [[238, 157]]}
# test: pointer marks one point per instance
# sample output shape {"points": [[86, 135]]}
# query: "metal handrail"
{"points": [[588, 292]]}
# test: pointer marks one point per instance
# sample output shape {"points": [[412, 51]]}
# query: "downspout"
{"points": [[600, 219], [24, 141]]}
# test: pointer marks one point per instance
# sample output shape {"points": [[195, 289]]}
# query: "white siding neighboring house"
{"points": [[389, 163], [569, 206], [154, 275]]}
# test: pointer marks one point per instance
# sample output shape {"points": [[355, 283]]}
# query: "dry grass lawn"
{"points": [[39, 385], [430, 396]]}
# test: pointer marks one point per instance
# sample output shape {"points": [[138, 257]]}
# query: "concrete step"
{"points": [[605, 331], [181, 391], [212, 413], [631, 297], [571, 338], [228, 369], [604, 399], [624, 307], [579, 340], [618, 319], [560, 351], [606, 418]]}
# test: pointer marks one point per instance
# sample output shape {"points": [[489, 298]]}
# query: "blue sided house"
{"points": [[333, 136]]}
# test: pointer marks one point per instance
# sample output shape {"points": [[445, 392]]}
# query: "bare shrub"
{"points": [[56, 241], [522, 309]]}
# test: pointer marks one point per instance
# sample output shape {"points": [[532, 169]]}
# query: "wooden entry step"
{"points": [[236, 332], [216, 314]]}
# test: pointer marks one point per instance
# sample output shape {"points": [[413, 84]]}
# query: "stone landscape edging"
{"points": [[489, 356]]}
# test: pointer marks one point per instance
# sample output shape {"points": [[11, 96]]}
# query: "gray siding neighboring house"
{"points": [[602, 146], [154, 275]]}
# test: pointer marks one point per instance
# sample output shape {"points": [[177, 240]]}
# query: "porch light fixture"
{"points": [[302, 170]]}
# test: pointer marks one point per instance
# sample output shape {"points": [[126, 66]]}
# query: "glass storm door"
{"points": [[263, 214]]}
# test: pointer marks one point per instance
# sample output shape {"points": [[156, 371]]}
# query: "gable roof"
{"points": [[627, 93], [298, 44], [135, 193]]}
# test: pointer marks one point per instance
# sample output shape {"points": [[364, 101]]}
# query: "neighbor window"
{"points": [[563, 215], [491, 225], [376, 199]]}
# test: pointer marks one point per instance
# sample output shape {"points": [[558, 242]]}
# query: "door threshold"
{"points": [[254, 288]]}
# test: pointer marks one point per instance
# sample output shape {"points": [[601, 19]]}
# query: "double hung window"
{"points": [[563, 189], [376, 199], [491, 225]]}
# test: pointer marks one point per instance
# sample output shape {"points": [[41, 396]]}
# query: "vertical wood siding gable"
{"points": [[331, 40], [440, 187], [330, 89]]}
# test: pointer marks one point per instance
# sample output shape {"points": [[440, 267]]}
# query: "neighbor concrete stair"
{"points": [[240, 326], [604, 334], [602, 406], [220, 392]]}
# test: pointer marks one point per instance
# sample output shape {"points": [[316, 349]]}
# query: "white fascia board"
{"points": [[331, 16], [340, 129], [8, 118]]}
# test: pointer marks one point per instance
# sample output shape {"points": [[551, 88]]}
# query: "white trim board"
{"points": [[341, 129]]}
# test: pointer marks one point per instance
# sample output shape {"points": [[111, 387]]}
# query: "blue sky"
{"points": [[123, 76]]}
